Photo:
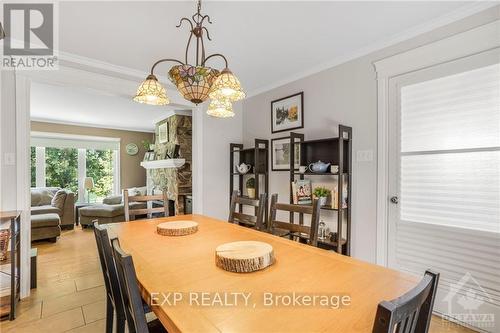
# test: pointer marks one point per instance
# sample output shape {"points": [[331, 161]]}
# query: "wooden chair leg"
{"points": [[120, 324], [109, 315]]}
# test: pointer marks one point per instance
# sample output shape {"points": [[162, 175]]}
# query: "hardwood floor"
{"points": [[70, 296]]}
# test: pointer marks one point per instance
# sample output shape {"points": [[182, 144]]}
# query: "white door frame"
{"points": [[77, 73], [197, 159], [479, 39], [23, 183]]}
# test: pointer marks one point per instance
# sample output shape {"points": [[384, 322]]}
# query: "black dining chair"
{"points": [[247, 220], [282, 229], [410, 313], [131, 296], [113, 294]]}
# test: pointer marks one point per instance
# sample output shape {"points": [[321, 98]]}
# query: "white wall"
{"points": [[7, 140], [345, 94], [216, 135]]}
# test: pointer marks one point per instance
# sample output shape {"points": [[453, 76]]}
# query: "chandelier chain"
{"points": [[197, 29]]}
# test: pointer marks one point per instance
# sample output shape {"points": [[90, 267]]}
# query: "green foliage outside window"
{"points": [[100, 168], [33, 167], [61, 168]]}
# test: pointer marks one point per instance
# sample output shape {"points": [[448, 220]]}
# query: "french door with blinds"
{"points": [[444, 182]]}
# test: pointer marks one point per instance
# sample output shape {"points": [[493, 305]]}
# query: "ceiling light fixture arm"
{"points": [[164, 60], [196, 29], [215, 55]]}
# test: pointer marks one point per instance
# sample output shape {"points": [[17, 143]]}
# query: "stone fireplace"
{"points": [[172, 175]]}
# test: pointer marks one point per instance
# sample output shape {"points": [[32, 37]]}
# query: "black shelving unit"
{"points": [[8, 302], [258, 157], [337, 151]]}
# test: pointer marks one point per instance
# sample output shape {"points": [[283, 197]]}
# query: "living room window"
{"points": [[61, 168], [65, 161]]}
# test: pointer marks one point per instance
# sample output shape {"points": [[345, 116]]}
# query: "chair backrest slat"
{"points": [[131, 296], [127, 199], [259, 205], [245, 218], [292, 227], [410, 313], [294, 208], [314, 211], [108, 267]]}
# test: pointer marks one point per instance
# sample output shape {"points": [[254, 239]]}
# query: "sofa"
{"points": [[52, 208], [111, 210]]}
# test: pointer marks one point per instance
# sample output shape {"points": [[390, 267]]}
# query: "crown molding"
{"points": [[78, 62], [441, 21], [70, 123], [173, 113], [70, 60]]}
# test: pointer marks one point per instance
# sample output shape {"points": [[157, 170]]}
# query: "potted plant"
{"points": [[251, 187], [148, 146], [321, 193]]}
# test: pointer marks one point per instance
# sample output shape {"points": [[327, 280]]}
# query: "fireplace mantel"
{"points": [[163, 164]]}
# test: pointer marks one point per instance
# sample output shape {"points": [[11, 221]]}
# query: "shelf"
{"points": [[247, 149], [335, 150], [327, 140], [163, 164], [9, 215], [329, 207], [328, 242], [309, 173], [4, 306], [248, 173]]}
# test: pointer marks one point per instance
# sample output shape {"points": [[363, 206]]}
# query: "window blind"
{"points": [[449, 213]]}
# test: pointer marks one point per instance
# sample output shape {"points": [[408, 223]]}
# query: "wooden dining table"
{"points": [[183, 268]]}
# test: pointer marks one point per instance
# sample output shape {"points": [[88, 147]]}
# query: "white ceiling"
{"points": [[265, 42], [72, 105]]}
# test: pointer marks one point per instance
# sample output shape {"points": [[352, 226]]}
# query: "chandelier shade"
{"points": [[151, 92], [220, 109], [193, 82], [226, 87]]}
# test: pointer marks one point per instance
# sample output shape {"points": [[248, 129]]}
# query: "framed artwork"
{"points": [[280, 154], [287, 113], [149, 156], [163, 132]]}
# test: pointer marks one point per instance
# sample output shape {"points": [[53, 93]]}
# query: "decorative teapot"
{"points": [[319, 166], [243, 168]]}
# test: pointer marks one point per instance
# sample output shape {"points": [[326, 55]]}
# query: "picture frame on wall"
{"points": [[287, 113], [280, 154], [163, 132], [149, 156]]}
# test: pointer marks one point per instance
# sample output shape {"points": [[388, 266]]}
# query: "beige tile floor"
{"points": [[70, 295]]}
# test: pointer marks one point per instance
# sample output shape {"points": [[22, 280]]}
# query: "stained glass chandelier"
{"points": [[197, 82]]}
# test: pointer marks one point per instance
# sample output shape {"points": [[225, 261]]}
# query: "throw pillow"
{"points": [[40, 197], [141, 190], [112, 200], [58, 199]]}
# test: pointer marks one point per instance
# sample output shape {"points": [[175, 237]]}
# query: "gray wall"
{"points": [[345, 94], [217, 135]]}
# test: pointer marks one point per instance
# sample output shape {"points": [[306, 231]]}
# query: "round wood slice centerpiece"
{"points": [[177, 228], [244, 256]]}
